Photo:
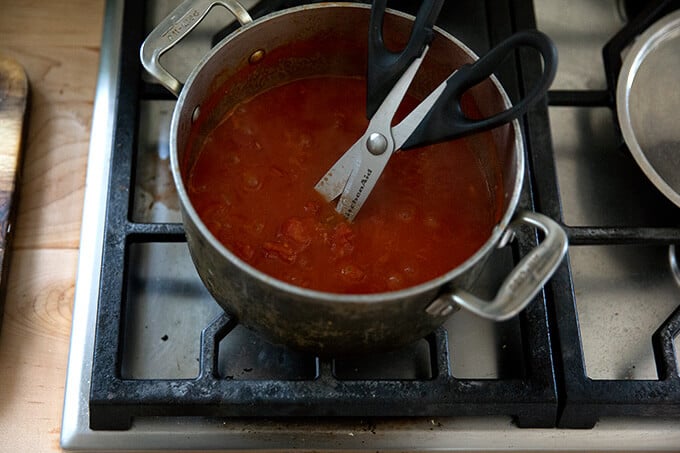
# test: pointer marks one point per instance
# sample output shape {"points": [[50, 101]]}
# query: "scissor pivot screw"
{"points": [[376, 143]]}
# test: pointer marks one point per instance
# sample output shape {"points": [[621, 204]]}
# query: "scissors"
{"points": [[439, 117]]}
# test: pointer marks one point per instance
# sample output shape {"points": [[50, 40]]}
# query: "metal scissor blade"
{"points": [[331, 185], [402, 131], [363, 178]]}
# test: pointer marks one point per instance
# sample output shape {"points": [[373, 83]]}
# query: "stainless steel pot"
{"points": [[321, 39]]}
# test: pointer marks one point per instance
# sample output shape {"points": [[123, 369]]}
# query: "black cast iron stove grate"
{"points": [[531, 399], [584, 400]]}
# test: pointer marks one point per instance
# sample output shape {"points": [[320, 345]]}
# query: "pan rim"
{"points": [[645, 45]]}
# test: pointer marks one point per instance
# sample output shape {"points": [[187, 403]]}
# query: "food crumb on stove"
{"points": [[165, 337]]}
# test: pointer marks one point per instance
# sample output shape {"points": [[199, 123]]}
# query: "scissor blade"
{"points": [[331, 185], [402, 131], [363, 178]]}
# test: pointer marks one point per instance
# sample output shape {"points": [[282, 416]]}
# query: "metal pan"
{"points": [[648, 104]]}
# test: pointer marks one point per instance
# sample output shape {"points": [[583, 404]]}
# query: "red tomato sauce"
{"points": [[253, 181]]}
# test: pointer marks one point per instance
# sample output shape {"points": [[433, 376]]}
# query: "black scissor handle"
{"points": [[386, 67], [446, 120]]}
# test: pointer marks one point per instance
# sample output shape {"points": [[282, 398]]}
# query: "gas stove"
{"points": [[591, 364]]}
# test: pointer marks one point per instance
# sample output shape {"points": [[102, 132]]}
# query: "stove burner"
{"points": [[333, 388], [551, 387], [585, 399]]}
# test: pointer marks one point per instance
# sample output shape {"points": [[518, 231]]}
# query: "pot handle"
{"points": [[174, 28], [524, 281]]}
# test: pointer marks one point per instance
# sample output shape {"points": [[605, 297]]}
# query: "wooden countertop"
{"points": [[58, 45]]}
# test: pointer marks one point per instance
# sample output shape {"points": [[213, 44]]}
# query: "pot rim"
{"points": [[430, 285]]}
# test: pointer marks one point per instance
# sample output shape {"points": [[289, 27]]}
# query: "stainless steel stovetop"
{"points": [[622, 292]]}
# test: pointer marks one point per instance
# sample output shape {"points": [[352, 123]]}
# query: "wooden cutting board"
{"points": [[13, 100]]}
